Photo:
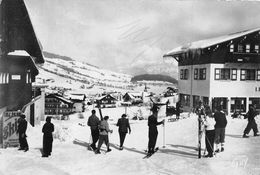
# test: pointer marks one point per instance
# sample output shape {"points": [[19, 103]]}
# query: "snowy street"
{"points": [[71, 156]]}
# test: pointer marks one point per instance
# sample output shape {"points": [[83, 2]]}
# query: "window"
{"points": [[240, 48], [195, 74], [257, 48], [248, 74], [222, 74], [16, 77], [258, 75], [225, 74], [202, 75], [233, 74], [231, 48], [185, 99], [184, 74], [247, 48], [217, 74]]}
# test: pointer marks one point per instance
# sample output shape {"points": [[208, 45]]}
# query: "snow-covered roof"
{"points": [[80, 97], [19, 53], [209, 42]]}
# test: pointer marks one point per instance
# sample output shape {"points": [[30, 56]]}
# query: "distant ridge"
{"points": [[154, 77], [52, 55]]}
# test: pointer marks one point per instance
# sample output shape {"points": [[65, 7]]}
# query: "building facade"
{"points": [[222, 71]]}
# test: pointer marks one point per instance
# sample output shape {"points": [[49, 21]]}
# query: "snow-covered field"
{"points": [[71, 157]]}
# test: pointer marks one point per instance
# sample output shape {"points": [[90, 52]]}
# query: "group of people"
{"points": [[100, 131], [47, 129], [216, 123]]}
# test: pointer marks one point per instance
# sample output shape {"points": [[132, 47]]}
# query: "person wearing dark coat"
{"points": [[22, 127], [93, 122], [47, 130], [251, 114], [221, 123], [124, 126], [178, 110], [153, 132]]}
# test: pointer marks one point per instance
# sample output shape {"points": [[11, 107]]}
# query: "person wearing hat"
{"points": [[47, 130], [103, 134], [22, 127], [123, 127], [153, 132]]}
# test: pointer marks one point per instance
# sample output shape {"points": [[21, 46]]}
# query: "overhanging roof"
{"points": [[202, 44], [20, 34]]}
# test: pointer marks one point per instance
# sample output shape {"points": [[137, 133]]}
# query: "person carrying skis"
{"points": [[123, 127], [103, 135], [93, 122], [221, 123], [209, 123], [251, 114], [153, 132], [22, 127], [47, 130]]}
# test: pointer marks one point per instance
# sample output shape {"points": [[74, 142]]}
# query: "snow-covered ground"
{"points": [[179, 156]]}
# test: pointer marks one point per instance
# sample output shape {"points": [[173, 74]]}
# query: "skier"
{"points": [[103, 135], [251, 122], [93, 122], [47, 130], [221, 123], [22, 127], [124, 126], [153, 133], [209, 123]]}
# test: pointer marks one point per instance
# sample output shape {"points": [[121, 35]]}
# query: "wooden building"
{"points": [[222, 71], [78, 102], [57, 105], [133, 97], [106, 101], [20, 51]]}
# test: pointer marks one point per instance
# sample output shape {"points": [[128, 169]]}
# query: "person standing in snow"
{"points": [[178, 110], [251, 114], [22, 127], [153, 132], [103, 135], [209, 123], [93, 122], [47, 130], [124, 126], [221, 123]]}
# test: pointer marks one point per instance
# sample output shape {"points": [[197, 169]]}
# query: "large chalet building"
{"points": [[222, 71]]}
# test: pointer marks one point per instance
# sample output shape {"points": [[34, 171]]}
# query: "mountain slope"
{"points": [[154, 77]]}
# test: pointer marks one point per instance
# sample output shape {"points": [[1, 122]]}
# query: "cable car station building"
{"points": [[222, 71]]}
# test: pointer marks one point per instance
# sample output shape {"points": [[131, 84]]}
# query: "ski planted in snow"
{"points": [[150, 154]]}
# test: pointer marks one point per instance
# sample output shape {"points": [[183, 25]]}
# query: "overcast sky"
{"points": [[109, 33]]}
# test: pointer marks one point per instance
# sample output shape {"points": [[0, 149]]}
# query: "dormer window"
{"points": [[240, 48], [231, 48], [257, 48], [248, 48]]}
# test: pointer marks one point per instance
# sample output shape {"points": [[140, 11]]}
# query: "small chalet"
{"points": [[170, 91], [133, 97], [78, 102], [107, 101], [57, 105], [222, 71]]}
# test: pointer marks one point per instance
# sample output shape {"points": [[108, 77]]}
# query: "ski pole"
{"points": [[164, 133]]}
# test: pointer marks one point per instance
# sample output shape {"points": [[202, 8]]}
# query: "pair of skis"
{"points": [[150, 154]]}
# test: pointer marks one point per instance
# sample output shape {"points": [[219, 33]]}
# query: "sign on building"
{"points": [[10, 126]]}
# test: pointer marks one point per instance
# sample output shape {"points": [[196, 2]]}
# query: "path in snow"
{"points": [[70, 154]]}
